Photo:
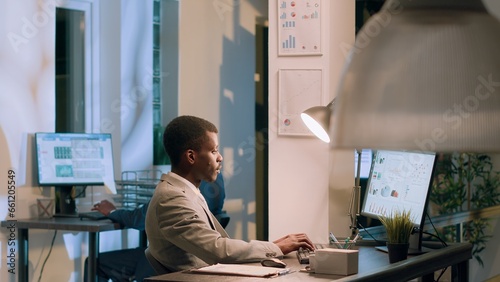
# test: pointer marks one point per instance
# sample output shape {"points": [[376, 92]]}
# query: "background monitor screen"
{"points": [[399, 180], [65, 159], [366, 163]]}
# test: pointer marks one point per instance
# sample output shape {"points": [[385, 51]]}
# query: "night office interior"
{"points": [[237, 32]]}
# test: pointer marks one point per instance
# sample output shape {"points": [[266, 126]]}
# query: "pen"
{"points": [[284, 271], [355, 238], [346, 243], [333, 239]]}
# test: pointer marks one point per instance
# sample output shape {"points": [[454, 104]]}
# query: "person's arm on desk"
{"points": [[128, 218], [292, 242]]}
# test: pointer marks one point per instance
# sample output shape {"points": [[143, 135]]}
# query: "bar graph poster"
{"points": [[299, 90], [299, 27]]}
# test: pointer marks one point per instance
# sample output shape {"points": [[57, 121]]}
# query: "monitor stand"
{"points": [[415, 248], [65, 202]]}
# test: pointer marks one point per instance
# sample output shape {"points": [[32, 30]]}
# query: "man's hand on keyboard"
{"points": [[293, 242], [105, 207]]}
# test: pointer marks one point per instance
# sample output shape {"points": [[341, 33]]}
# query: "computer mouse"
{"points": [[273, 262]]}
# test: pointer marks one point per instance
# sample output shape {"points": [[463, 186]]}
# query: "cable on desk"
{"points": [[441, 240], [365, 230], [435, 230], [81, 192], [48, 255]]}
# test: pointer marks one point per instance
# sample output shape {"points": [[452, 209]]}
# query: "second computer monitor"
{"points": [[399, 180]]}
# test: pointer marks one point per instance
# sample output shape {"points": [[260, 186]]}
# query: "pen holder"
{"points": [[347, 244], [334, 261]]}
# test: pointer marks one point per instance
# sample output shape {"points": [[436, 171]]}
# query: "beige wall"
{"points": [[299, 167]]}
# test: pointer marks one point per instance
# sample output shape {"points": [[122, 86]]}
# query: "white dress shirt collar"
{"points": [[188, 183]]}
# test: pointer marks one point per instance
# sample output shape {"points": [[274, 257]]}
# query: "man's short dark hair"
{"points": [[183, 133]]}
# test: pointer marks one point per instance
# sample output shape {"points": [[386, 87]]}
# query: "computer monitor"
{"points": [[66, 160], [366, 163], [400, 180], [364, 172]]}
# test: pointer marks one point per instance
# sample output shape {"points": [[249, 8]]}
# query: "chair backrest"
{"points": [[157, 266]]}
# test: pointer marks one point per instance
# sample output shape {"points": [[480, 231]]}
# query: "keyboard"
{"points": [[92, 215], [303, 254]]}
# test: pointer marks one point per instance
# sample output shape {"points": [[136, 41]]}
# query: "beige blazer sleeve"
{"points": [[183, 233]]}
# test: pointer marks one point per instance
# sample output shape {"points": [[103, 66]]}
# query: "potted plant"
{"points": [[398, 227]]}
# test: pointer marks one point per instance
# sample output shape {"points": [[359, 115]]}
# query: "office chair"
{"points": [[223, 218], [157, 266]]}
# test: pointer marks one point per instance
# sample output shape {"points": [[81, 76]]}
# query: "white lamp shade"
{"points": [[317, 119], [422, 75], [317, 128]]}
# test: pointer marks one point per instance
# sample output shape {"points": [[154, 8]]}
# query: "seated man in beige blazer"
{"points": [[181, 230]]}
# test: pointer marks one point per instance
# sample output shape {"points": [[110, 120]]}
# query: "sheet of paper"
{"points": [[242, 270]]}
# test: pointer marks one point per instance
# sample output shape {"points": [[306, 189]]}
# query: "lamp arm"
{"points": [[358, 169], [331, 105], [355, 204]]}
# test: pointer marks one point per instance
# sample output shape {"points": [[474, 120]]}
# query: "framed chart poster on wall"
{"points": [[299, 90], [299, 27]]}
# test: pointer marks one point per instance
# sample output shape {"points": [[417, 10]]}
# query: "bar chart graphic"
{"points": [[289, 24], [289, 43], [314, 15], [299, 28]]}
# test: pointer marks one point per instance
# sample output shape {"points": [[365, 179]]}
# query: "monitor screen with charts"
{"points": [[399, 180], [69, 159]]}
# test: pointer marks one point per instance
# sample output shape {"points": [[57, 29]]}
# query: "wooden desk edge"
{"points": [[73, 224], [418, 266]]}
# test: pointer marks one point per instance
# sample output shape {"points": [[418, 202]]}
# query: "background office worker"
{"points": [[131, 264], [182, 232]]}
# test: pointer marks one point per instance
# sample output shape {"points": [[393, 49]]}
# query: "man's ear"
{"points": [[190, 156]]}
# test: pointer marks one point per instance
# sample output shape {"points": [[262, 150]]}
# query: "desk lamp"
{"points": [[317, 119], [422, 75]]}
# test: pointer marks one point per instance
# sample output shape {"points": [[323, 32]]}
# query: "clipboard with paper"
{"points": [[242, 270]]}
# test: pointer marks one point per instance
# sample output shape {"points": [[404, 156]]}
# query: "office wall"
{"points": [[300, 168]]}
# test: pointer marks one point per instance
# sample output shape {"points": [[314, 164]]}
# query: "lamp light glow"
{"points": [[317, 119], [315, 127]]}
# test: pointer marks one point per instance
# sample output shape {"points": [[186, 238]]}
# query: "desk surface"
{"points": [[373, 266], [64, 223]]}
